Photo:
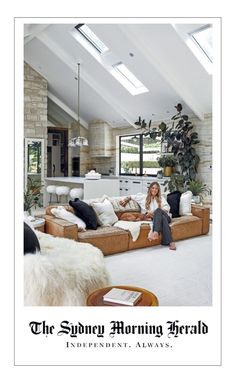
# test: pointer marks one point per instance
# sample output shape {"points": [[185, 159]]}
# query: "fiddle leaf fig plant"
{"points": [[181, 141], [177, 182]]}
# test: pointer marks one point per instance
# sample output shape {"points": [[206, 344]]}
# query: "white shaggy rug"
{"points": [[63, 274], [178, 278]]}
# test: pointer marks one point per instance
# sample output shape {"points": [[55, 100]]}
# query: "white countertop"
{"points": [[75, 180], [82, 180], [144, 178]]}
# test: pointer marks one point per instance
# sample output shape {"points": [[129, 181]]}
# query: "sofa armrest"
{"points": [[203, 213], [60, 228]]}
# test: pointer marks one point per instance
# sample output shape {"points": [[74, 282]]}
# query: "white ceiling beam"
{"points": [[67, 60], [33, 30], [164, 67], [63, 106]]}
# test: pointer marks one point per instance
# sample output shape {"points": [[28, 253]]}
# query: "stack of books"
{"points": [[122, 297]]}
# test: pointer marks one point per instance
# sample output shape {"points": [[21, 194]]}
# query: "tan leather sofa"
{"points": [[113, 240]]}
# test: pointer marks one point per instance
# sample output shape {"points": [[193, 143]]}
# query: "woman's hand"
{"points": [[149, 215]]}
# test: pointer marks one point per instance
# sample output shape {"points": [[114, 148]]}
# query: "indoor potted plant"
{"points": [[181, 141], [32, 195], [198, 188], [167, 162]]}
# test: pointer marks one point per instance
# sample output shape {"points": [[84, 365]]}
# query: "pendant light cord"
{"points": [[78, 96]]}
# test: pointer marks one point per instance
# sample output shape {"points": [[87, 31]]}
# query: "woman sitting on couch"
{"points": [[154, 207]]}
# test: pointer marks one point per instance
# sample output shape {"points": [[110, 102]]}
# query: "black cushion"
{"points": [[85, 212], [173, 200], [31, 243]]}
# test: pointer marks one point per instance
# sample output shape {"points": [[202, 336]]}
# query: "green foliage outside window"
{"points": [[129, 166]]}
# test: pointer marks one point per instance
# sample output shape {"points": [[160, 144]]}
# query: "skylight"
{"points": [[203, 38], [128, 79], [92, 38]]}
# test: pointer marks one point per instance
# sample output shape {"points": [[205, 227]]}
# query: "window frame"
{"points": [[91, 41], [141, 136], [193, 38], [126, 81]]}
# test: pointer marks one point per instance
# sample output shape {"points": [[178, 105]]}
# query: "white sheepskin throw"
{"points": [[64, 273], [132, 227]]}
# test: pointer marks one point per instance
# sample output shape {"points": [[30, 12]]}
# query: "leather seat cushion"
{"points": [[185, 227], [109, 239]]}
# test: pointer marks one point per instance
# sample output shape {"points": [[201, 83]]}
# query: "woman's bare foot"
{"points": [[172, 246], [153, 235]]}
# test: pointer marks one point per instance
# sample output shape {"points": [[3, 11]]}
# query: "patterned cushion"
{"points": [[130, 206]]}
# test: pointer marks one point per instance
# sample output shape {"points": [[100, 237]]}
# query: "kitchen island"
{"points": [[91, 188]]}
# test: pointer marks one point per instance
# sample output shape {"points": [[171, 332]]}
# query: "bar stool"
{"points": [[51, 189], [62, 191], [76, 193]]}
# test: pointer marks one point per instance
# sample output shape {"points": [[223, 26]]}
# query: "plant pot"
{"points": [[168, 170], [196, 199], [27, 213]]}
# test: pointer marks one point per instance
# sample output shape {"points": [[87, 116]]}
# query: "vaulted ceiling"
{"points": [[157, 54]]}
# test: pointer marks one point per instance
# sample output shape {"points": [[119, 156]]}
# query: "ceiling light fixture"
{"points": [[78, 141]]}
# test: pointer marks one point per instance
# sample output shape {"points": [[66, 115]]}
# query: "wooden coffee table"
{"points": [[147, 298]]}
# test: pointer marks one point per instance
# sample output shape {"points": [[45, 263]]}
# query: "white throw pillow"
{"points": [[185, 203], [61, 212], [95, 200], [105, 213]]}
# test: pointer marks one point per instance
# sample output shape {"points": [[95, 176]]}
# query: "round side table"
{"points": [[147, 298]]}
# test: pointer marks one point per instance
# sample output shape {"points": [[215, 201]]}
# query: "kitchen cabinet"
{"points": [[130, 186], [136, 186], [125, 187]]}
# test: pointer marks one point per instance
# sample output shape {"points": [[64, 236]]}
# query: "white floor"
{"points": [[178, 278]]}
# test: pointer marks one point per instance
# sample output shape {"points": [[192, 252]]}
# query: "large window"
{"points": [[138, 155]]}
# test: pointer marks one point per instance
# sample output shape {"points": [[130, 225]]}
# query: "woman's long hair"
{"points": [[149, 196]]}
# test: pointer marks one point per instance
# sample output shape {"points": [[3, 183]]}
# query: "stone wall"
{"points": [[204, 149], [35, 107]]}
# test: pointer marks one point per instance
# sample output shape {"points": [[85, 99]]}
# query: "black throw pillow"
{"points": [[173, 200], [85, 212], [31, 243]]}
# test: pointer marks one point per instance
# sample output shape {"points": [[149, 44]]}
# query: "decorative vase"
{"points": [[168, 170]]}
